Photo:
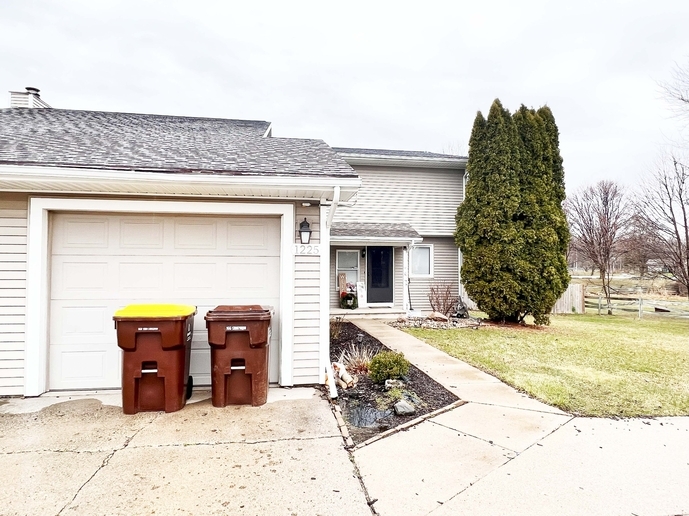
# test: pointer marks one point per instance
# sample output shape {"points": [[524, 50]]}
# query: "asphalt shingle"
{"points": [[373, 230], [127, 141]]}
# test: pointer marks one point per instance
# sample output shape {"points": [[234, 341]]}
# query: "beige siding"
{"points": [[425, 198], [306, 351], [398, 277], [13, 219], [445, 268]]}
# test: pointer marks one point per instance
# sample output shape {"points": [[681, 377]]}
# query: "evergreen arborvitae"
{"points": [[511, 228], [486, 231], [543, 267], [558, 192]]}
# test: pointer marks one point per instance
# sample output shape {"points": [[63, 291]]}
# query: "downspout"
{"points": [[328, 366], [333, 206]]}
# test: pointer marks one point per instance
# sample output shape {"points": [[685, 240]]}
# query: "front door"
{"points": [[379, 268]]}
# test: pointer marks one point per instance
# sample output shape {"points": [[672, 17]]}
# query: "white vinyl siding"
{"points": [[307, 345], [425, 198], [13, 222], [445, 269], [398, 277]]}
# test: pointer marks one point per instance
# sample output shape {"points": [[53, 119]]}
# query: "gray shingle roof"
{"points": [[372, 230], [126, 141], [394, 153]]}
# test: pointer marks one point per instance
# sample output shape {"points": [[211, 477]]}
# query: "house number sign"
{"points": [[307, 249]]}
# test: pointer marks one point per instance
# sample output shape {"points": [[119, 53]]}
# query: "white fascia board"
{"points": [[107, 181], [415, 162]]}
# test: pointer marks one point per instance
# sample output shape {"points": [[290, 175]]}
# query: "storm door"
{"points": [[379, 268]]}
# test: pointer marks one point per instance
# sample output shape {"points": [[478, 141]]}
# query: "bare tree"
{"points": [[664, 208], [676, 91], [598, 219]]}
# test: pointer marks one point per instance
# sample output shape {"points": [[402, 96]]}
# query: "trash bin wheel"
{"points": [[190, 386]]}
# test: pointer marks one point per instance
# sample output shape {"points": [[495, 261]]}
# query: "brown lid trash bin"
{"points": [[239, 337]]}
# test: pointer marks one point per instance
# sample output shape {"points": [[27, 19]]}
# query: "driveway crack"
{"points": [[103, 464]]}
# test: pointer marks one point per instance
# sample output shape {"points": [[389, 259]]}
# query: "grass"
{"points": [[587, 365]]}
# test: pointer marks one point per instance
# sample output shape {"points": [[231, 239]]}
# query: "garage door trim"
{"points": [[36, 354]]}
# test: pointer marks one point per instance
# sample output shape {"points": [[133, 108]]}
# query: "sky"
{"points": [[391, 75]]}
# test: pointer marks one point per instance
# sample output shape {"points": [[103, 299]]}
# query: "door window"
{"points": [[348, 264]]}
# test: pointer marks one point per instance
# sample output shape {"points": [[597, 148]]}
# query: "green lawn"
{"points": [[584, 364]]}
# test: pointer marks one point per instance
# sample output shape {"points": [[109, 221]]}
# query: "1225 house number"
{"points": [[308, 249]]}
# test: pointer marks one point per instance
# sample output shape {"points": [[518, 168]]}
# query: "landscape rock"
{"points": [[402, 319], [437, 316], [404, 408], [393, 384]]}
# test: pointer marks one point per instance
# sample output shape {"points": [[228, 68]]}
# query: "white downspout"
{"points": [[333, 206]]}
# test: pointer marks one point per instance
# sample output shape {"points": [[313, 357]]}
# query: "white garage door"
{"points": [[102, 262]]}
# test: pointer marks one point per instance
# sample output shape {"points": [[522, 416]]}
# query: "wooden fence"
{"points": [[572, 301]]}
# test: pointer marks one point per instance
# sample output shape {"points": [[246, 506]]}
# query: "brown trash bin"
{"points": [[239, 337], [156, 340]]}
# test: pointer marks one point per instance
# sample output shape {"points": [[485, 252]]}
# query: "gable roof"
{"points": [[157, 143]]}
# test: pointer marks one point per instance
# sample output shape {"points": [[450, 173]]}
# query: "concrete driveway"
{"points": [[81, 456]]}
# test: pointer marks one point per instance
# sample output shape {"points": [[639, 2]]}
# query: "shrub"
{"points": [[442, 297], [387, 365], [336, 325], [356, 359]]}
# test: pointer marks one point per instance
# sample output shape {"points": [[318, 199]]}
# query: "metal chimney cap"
{"points": [[32, 90]]}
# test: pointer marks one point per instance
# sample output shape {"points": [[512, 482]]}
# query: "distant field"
{"points": [[584, 364]]}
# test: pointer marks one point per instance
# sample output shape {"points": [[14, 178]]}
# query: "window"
{"points": [[348, 264], [421, 261]]}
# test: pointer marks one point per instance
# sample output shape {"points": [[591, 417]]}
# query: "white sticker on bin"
{"points": [[147, 329], [235, 328]]}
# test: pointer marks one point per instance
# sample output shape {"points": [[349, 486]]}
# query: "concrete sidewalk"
{"points": [[80, 456], [505, 453]]}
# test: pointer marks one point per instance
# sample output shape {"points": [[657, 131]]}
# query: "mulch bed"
{"points": [[367, 407]]}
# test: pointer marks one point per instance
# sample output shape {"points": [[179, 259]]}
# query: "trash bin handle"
{"points": [[238, 368]]}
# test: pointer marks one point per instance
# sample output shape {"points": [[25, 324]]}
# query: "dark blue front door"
{"points": [[379, 274]]}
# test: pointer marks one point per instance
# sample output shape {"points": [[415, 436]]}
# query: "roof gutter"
{"points": [[19, 178]]}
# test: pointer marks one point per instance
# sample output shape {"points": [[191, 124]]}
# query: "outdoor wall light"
{"points": [[363, 253], [305, 232]]}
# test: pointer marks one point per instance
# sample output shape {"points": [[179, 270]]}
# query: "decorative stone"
{"points": [[437, 316], [404, 408], [402, 319], [393, 384]]}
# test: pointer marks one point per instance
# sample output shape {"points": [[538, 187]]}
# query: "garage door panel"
{"points": [[85, 366], [197, 233], [249, 237], [78, 233], [196, 276], [144, 233], [103, 263], [252, 276], [138, 278], [77, 277], [81, 323]]}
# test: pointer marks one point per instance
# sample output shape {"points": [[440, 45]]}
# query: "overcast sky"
{"points": [[392, 75]]}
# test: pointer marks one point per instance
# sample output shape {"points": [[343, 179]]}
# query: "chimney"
{"points": [[30, 98]]}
